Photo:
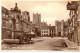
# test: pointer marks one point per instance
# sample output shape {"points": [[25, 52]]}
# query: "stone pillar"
{"points": [[62, 28], [13, 28], [56, 27], [12, 34]]}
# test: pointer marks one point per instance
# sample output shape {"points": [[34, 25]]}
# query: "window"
{"points": [[42, 31], [3, 23], [3, 15]]}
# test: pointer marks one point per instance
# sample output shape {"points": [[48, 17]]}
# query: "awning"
{"points": [[32, 33]]}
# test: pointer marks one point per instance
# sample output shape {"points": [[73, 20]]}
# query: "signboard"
{"points": [[72, 7]]}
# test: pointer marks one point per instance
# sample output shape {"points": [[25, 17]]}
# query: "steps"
{"points": [[11, 40], [71, 45]]}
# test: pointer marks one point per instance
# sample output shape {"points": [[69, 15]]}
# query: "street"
{"points": [[40, 43]]}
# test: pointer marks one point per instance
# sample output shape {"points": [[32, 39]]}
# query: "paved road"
{"points": [[41, 43]]}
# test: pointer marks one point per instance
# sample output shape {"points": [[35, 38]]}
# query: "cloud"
{"points": [[52, 11], [49, 10]]}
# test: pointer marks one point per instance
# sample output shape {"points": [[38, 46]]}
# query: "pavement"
{"points": [[71, 45], [40, 44]]}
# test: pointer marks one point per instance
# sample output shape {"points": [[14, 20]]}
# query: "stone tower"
{"points": [[37, 19]]}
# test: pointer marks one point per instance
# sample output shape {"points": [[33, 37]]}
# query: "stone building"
{"points": [[74, 22], [15, 24], [58, 28], [37, 23], [66, 24], [62, 28], [37, 19], [44, 29], [26, 16], [27, 25], [15, 14], [78, 22], [6, 24], [52, 31]]}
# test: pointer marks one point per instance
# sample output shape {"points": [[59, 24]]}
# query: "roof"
{"points": [[44, 26], [51, 27], [5, 10]]}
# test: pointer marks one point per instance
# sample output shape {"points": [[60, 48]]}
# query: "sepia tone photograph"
{"points": [[40, 25]]}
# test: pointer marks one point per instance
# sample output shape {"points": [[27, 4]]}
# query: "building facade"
{"points": [[37, 23], [66, 30], [26, 16], [6, 24], [45, 32], [44, 29], [15, 24], [58, 28], [78, 20], [27, 25], [52, 31], [37, 19], [74, 22], [15, 14]]}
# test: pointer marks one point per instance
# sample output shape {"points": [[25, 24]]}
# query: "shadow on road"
{"points": [[17, 44], [57, 45], [36, 41]]}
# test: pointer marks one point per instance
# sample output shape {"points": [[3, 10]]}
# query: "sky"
{"points": [[49, 10]]}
